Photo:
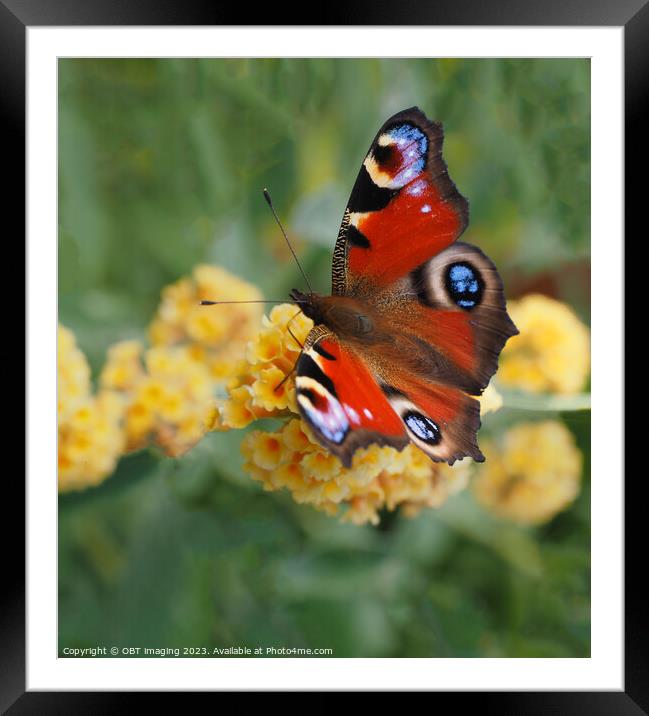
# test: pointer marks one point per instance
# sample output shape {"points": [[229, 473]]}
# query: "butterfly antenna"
{"points": [[205, 302], [269, 201]]}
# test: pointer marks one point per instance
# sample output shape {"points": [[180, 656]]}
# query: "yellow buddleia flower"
{"points": [[170, 388], [73, 374], [379, 478], [90, 427], [123, 369], [531, 474], [258, 389], [166, 393], [169, 394], [218, 334], [91, 441], [551, 352]]}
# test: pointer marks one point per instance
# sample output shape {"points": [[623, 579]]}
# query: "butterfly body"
{"points": [[345, 316], [416, 319]]}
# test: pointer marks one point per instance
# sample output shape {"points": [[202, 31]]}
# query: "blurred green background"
{"points": [[161, 166]]}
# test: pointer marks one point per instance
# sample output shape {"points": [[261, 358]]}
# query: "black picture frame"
{"points": [[17, 15]]}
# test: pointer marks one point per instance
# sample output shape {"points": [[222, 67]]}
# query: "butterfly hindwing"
{"points": [[461, 309], [442, 421], [403, 208], [449, 318]]}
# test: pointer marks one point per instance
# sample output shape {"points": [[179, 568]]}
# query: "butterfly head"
{"points": [[310, 303]]}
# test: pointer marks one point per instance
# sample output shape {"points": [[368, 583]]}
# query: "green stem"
{"points": [[551, 403]]}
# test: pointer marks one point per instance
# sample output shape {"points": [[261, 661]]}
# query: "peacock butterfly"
{"points": [[416, 320]]}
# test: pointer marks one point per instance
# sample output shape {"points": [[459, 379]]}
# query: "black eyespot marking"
{"points": [[382, 153], [308, 367], [464, 285], [324, 353], [368, 196], [357, 239], [423, 427]]}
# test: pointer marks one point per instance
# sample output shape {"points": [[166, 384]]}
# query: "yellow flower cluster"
{"points": [[163, 394], [73, 374], [380, 477], [533, 473], [167, 392], [170, 388], [215, 334], [270, 357], [551, 352], [90, 433]]}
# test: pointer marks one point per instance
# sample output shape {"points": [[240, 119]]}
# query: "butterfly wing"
{"points": [[403, 208]]}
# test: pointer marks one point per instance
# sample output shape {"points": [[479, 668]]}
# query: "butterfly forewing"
{"points": [[340, 399], [403, 208]]}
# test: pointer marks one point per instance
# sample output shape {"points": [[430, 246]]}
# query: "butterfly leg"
{"points": [[288, 375], [296, 339], [293, 336]]}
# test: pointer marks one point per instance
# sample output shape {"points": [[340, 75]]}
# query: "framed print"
{"points": [[244, 496]]}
